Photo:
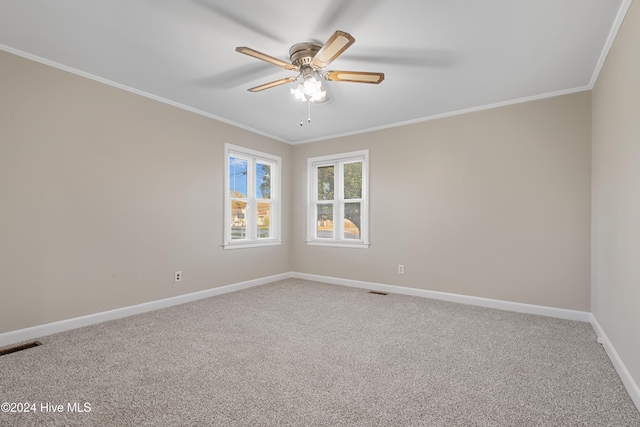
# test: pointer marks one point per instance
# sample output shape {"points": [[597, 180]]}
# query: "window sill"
{"points": [[254, 244], [338, 244]]}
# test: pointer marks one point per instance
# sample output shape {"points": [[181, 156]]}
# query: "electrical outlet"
{"points": [[177, 276], [400, 269]]}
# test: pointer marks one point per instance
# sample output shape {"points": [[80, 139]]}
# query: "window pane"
{"points": [[264, 220], [263, 181], [325, 221], [352, 220], [237, 177], [238, 220], [353, 180], [325, 183]]}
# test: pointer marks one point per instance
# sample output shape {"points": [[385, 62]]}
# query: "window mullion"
{"points": [[251, 197], [339, 205], [274, 195], [313, 205]]}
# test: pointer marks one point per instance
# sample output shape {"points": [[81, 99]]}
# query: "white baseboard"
{"points": [[20, 335], [581, 316], [632, 388]]}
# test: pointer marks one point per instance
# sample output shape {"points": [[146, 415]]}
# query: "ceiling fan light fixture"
{"points": [[318, 96], [311, 87], [298, 93]]}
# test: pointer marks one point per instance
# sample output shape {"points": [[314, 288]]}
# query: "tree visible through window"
{"points": [[353, 191]]}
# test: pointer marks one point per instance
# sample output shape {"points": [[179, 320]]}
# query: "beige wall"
{"points": [[616, 195], [492, 204], [104, 194]]}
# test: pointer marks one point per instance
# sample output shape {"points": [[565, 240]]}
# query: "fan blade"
{"points": [[267, 58], [354, 76], [273, 84], [337, 43]]}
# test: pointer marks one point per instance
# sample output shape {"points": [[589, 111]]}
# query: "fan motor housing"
{"points": [[302, 53]]}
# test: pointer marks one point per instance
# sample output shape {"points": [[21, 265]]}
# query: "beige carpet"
{"points": [[299, 353]]}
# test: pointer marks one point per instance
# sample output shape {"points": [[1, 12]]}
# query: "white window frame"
{"points": [[252, 240], [337, 160]]}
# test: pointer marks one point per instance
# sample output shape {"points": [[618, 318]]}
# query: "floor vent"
{"points": [[19, 347], [378, 293]]}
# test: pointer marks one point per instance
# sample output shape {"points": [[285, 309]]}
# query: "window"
{"points": [[338, 200], [252, 198]]}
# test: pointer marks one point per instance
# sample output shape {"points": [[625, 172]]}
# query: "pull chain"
{"points": [[308, 111], [300, 111]]}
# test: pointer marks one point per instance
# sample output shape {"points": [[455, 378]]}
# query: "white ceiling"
{"points": [[439, 57]]}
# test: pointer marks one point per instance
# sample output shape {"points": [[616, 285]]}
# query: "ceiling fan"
{"points": [[310, 60]]}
